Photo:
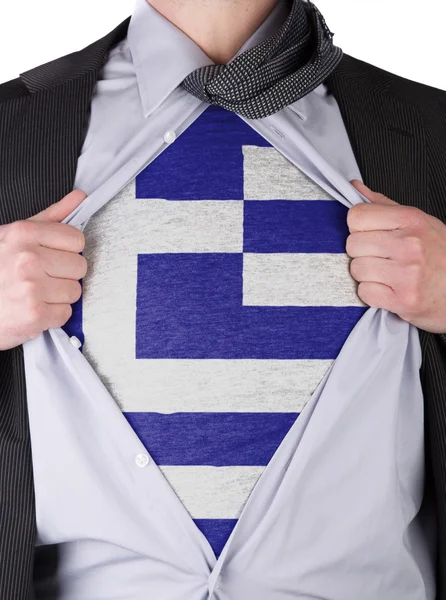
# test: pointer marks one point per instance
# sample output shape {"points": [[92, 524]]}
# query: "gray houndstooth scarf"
{"points": [[283, 68]]}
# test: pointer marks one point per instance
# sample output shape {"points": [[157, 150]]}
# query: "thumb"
{"points": [[58, 211], [374, 197]]}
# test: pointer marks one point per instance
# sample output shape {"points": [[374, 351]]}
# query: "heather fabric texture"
{"points": [[400, 123], [341, 489]]}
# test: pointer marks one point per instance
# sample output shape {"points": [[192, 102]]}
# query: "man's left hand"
{"points": [[399, 259]]}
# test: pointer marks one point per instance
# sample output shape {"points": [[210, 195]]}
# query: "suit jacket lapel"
{"points": [[77, 64], [44, 129], [386, 132], [41, 123]]}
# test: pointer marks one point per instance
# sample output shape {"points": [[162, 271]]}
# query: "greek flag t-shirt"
{"points": [[217, 297]]}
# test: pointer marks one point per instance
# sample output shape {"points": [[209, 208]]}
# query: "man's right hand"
{"points": [[40, 268]]}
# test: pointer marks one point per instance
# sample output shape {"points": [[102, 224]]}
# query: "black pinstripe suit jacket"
{"points": [[397, 129]]}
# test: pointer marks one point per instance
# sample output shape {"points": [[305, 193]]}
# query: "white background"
{"points": [[402, 36]]}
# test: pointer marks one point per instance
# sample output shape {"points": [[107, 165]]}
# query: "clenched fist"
{"points": [[40, 268]]}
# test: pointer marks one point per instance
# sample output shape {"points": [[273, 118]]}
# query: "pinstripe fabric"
{"points": [[423, 118], [40, 139], [433, 374], [397, 129]]}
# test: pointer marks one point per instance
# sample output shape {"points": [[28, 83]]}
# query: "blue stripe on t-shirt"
{"points": [[204, 163], [217, 532], [316, 226], [191, 306], [215, 439]]}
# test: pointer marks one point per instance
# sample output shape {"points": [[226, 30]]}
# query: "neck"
{"points": [[218, 27]]}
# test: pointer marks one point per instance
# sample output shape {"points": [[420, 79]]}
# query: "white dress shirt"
{"points": [[338, 502]]}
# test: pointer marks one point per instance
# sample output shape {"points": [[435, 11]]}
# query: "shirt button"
{"points": [[142, 460], [75, 341], [169, 137]]}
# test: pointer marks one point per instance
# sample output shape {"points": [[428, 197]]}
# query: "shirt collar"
{"points": [[163, 55]]}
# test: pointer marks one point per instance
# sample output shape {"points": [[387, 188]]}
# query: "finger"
{"points": [[60, 291], [56, 315], [382, 244], [62, 264], [378, 295], [58, 236], [377, 217], [374, 270], [63, 208], [375, 197]]}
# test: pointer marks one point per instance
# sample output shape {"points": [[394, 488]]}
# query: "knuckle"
{"points": [[357, 208], [29, 290], [69, 292], [76, 291], [66, 313], [20, 229], [26, 261], [359, 215], [362, 290], [358, 267], [350, 245], [79, 239], [416, 218], [414, 249], [83, 266], [416, 276], [413, 299], [354, 268], [355, 213], [35, 313], [63, 315]]}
